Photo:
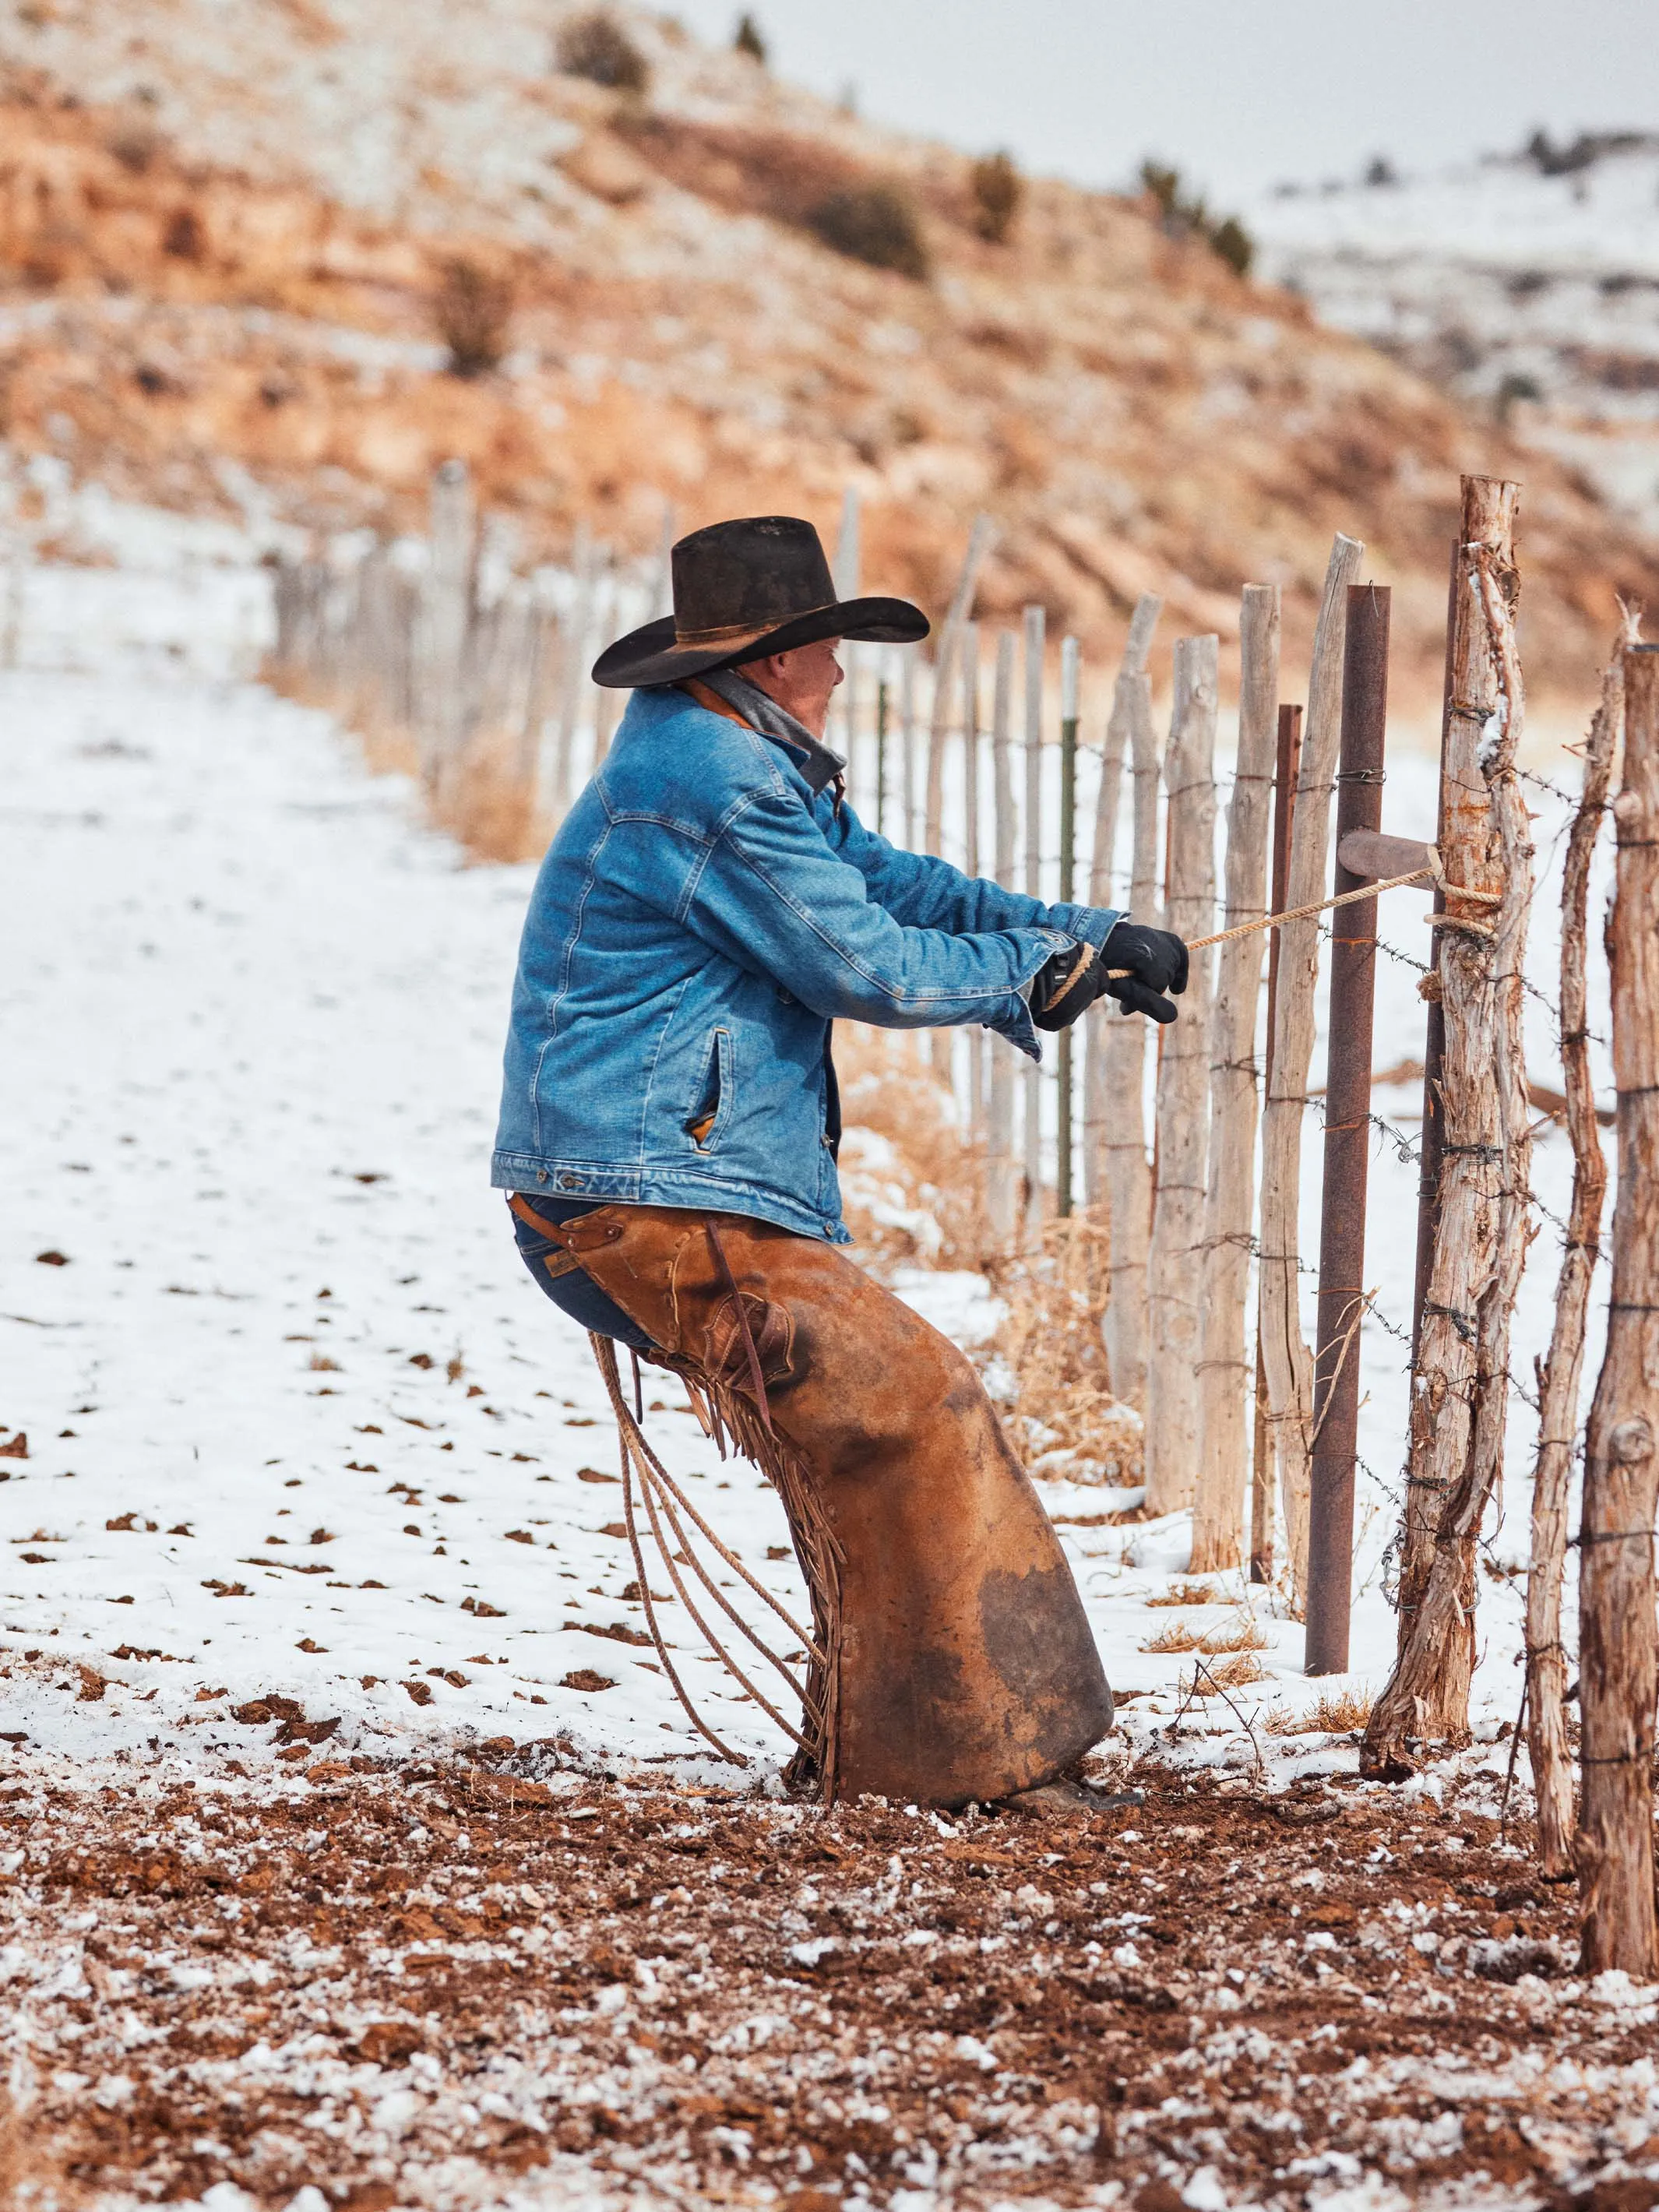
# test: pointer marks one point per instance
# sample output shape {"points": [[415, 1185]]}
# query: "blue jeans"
{"points": [[574, 1292]]}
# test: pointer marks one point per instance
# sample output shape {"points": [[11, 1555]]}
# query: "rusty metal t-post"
{"points": [[1347, 1144]]}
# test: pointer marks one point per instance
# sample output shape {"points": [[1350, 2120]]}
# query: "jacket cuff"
{"points": [[1093, 924]]}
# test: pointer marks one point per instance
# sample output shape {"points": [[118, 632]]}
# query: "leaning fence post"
{"points": [[1562, 1371], [1460, 1386], [1068, 705], [1347, 1144], [999, 1134], [1229, 1206], [1261, 1456], [1618, 1663], [1174, 1262], [1034, 627], [1285, 1357]]}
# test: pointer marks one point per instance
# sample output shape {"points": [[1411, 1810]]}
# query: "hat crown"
{"points": [[748, 576]]}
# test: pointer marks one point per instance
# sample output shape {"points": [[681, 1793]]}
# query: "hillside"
{"points": [[223, 232], [1527, 284]]}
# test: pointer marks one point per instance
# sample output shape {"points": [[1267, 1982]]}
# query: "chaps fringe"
{"points": [[727, 1416]]}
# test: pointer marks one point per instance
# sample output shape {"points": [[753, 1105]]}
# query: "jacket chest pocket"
{"points": [[711, 1109]]}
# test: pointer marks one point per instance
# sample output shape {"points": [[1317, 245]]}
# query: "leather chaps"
{"points": [[954, 1659]]}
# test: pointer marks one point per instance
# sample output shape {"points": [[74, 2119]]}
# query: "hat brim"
{"points": [[654, 655]]}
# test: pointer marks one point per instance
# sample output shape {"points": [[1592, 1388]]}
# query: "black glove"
{"points": [[1156, 960], [1066, 985]]}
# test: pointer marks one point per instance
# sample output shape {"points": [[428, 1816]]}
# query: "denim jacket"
{"points": [[700, 917]]}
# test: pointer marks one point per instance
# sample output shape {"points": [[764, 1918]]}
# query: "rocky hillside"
{"points": [[232, 240]]}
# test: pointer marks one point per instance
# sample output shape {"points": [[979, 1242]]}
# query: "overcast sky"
{"points": [[1238, 92]]}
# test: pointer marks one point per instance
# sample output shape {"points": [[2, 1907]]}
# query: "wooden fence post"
{"points": [[1560, 1375], [1333, 1447], [1285, 1357], [1175, 1263], [1618, 1663], [1000, 1205], [975, 1039], [908, 822], [1223, 1365], [1286, 768], [1122, 1048], [449, 619], [1034, 630], [1068, 717], [1461, 1386]]}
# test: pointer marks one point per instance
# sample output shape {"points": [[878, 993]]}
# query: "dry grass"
{"points": [[1187, 1594], [1344, 1714], [1244, 1633], [1051, 1344], [1235, 1673]]}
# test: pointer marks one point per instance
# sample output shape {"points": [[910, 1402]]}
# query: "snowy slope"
{"points": [[298, 1422], [1534, 288]]}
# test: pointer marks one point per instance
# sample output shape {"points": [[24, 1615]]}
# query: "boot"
{"points": [[956, 1663]]}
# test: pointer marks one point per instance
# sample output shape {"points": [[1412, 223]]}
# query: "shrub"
{"points": [[748, 40], [1233, 243], [874, 223], [1185, 215], [596, 47], [998, 191], [473, 314]]}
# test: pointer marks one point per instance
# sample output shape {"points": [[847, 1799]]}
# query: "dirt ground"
{"points": [[463, 1985]]}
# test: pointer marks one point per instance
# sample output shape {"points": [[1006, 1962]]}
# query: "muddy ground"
{"points": [[466, 1986]]}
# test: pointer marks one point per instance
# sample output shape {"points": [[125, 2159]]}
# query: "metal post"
{"points": [[1287, 769], [1068, 719], [1347, 1143], [1434, 1036]]}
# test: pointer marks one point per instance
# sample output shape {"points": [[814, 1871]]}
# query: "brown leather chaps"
{"points": [[956, 1660]]}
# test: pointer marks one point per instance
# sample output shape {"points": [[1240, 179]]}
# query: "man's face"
{"points": [[801, 681]]}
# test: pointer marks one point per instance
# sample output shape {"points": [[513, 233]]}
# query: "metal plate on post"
{"points": [[1373, 854]]}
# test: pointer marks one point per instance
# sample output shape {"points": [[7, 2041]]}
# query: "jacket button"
{"points": [[566, 1182], [541, 1175]]}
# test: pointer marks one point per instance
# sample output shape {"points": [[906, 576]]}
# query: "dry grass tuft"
{"points": [[1187, 1594], [1244, 1633], [1235, 1673], [1345, 1714], [1177, 1637]]}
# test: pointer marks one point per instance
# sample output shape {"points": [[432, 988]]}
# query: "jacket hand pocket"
{"points": [[712, 1108]]}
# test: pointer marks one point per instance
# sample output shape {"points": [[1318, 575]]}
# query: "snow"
{"points": [[253, 1012], [1504, 284]]}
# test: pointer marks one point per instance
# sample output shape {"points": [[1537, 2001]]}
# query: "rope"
{"points": [[1343, 898]]}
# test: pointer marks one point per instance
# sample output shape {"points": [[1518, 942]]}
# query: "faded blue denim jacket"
{"points": [[700, 917]]}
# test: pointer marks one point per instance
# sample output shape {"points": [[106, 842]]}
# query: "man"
{"points": [[669, 1125]]}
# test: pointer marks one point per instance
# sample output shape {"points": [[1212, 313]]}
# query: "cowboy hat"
{"points": [[744, 589]]}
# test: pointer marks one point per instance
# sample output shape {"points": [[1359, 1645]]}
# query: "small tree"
{"points": [[596, 47], [748, 40], [473, 314], [999, 189], [874, 223]]}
